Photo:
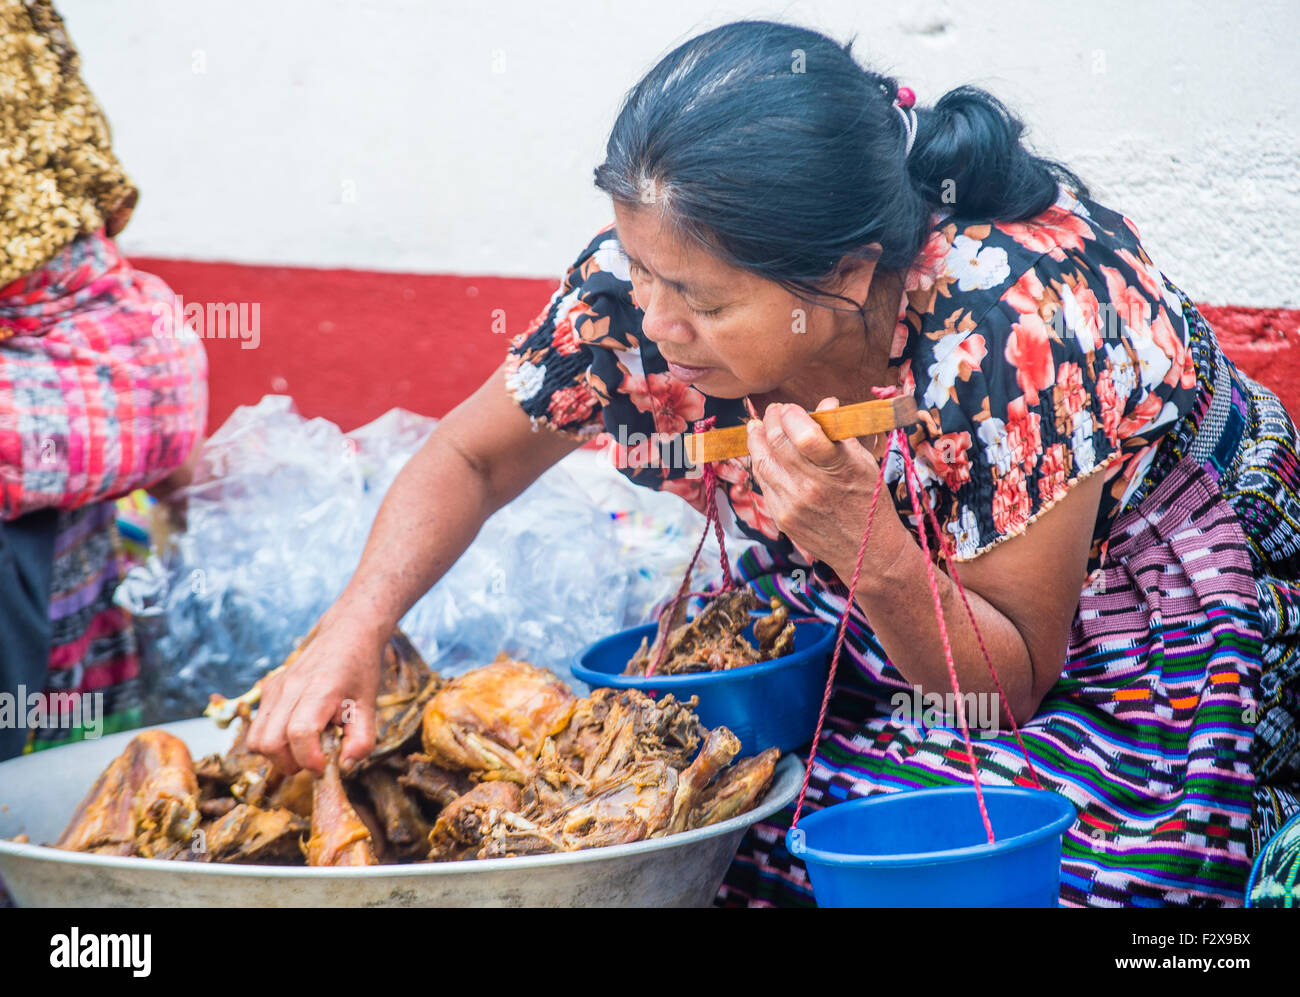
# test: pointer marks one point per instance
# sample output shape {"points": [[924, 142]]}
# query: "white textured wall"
{"points": [[376, 133]]}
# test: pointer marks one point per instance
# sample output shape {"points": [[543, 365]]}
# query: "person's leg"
{"points": [[26, 559]]}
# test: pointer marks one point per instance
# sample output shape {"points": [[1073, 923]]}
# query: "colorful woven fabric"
{"points": [[93, 650], [98, 397], [1146, 732]]}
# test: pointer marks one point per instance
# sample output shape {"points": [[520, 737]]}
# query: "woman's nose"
{"points": [[660, 324]]}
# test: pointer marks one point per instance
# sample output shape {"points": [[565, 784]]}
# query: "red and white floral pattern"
{"points": [[1039, 351]]}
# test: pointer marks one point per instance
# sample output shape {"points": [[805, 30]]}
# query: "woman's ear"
{"points": [[854, 273]]}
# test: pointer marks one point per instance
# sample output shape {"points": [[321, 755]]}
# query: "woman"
{"points": [[789, 233], [98, 395]]}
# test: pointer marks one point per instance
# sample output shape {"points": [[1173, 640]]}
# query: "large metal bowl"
{"points": [[38, 794]]}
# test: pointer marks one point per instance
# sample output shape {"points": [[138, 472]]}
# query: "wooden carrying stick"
{"points": [[841, 423]]}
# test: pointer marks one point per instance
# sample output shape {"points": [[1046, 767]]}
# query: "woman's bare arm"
{"points": [[483, 454]]}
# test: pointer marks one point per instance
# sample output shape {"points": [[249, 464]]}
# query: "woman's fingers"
{"points": [[266, 705], [310, 716], [763, 462], [358, 718], [808, 438], [266, 733]]}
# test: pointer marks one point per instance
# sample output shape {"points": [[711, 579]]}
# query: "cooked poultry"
{"points": [[714, 640], [294, 793], [719, 749], [250, 834], [631, 781], [736, 790], [378, 843], [512, 764], [632, 726], [431, 781], [244, 775], [493, 720], [404, 825], [775, 632], [144, 802], [464, 821], [338, 835], [406, 684]]}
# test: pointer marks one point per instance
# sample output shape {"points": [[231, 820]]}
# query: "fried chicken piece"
{"points": [[145, 800], [636, 727], [217, 806], [714, 640], [246, 775], [338, 835], [463, 822], [775, 632], [736, 789], [433, 782], [294, 793], [494, 719], [250, 834], [406, 684], [718, 750], [378, 843], [405, 827]]}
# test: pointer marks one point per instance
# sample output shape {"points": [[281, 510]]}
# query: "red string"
{"points": [[839, 641], [922, 509], [970, 613], [913, 485], [710, 480]]}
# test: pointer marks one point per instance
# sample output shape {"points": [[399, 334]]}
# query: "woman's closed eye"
{"points": [[706, 314], [636, 268]]}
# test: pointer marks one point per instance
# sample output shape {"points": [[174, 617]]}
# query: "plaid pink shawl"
{"points": [[99, 394]]}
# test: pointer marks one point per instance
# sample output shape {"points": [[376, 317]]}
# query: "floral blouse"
{"points": [[1039, 352]]}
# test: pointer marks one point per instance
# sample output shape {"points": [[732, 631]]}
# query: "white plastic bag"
{"points": [[277, 520]]}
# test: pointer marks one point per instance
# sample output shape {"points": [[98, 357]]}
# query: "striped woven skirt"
{"points": [[1172, 728]]}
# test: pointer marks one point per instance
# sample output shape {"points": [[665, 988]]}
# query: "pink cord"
{"points": [[952, 567], [710, 516], [922, 509], [839, 642], [919, 499], [913, 485]]}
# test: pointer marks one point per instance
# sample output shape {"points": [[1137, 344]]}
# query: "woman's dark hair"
{"points": [[770, 146]]}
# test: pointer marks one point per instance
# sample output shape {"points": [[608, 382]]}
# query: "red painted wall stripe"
{"points": [[349, 345]]}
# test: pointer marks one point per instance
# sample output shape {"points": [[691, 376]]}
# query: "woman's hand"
{"points": [[481, 455], [334, 679], [819, 491], [180, 477]]}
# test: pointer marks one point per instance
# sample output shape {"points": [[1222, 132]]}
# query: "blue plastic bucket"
{"points": [[773, 704], [928, 848]]}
